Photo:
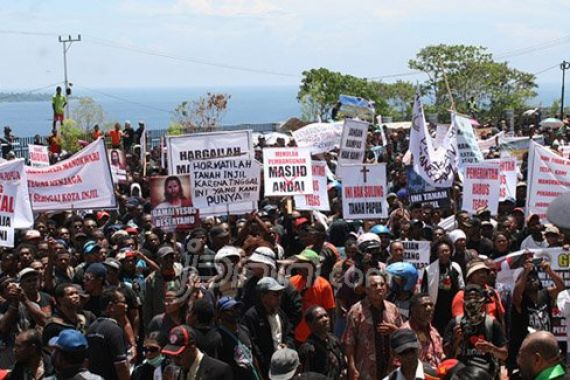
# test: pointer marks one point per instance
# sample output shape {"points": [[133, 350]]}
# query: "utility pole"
{"points": [[66, 45], [563, 66]]}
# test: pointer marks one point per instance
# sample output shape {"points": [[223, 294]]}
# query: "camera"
{"points": [[537, 261]]}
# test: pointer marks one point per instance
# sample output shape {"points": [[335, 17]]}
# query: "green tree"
{"points": [[87, 113], [70, 135], [204, 114], [472, 72], [320, 89], [400, 97]]}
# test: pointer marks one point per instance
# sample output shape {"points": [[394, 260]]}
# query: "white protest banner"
{"points": [[171, 203], [38, 155], [364, 192], [417, 253], [352, 142], [547, 179], [510, 268], [481, 186], [320, 199], [469, 152], [435, 166], [320, 137], [206, 146], [223, 182], [565, 151], [143, 147], [82, 181], [440, 132], [15, 206], [287, 171]]}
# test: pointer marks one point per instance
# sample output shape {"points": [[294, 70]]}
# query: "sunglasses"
{"points": [[151, 349]]}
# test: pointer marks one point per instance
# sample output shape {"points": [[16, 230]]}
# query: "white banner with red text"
{"points": [[83, 181]]}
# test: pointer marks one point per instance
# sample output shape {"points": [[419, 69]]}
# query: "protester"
{"points": [[182, 349], [260, 287]]}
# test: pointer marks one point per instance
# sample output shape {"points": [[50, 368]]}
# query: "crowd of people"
{"points": [[277, 294]]}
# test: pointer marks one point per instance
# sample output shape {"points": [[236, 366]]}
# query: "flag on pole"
{"points": [[435, 165]]}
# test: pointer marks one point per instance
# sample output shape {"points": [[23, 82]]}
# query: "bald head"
{"points": [[543, 343]]}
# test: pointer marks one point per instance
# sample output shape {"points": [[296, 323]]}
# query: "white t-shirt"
{"points": [[276, 333]]}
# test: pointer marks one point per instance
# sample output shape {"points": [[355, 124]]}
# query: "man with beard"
{"points": [[173, 194]]}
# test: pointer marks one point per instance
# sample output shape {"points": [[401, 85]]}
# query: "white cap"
{"points": [[226, 251], [369, 236], [456, 235], [263, 255]]}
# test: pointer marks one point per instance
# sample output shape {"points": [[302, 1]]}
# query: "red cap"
{"points": [[300, 221], [102, 214], [132, 230]]}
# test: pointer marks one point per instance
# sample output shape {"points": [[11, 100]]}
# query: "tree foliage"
{"points": [[400, 97], [70, 135], [472, 71], [204, 114], [320, 89], [87, 113]]}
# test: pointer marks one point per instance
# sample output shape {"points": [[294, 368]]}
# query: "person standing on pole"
{"points": [[58, 103]]}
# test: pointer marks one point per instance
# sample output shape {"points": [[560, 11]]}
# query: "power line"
{"points": [[547, 69], [32, 90], [3, 31], [115, 45], [123, 99], [534, 48]]}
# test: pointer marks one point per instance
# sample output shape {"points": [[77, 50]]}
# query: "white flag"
{"points": [[435, 166]]}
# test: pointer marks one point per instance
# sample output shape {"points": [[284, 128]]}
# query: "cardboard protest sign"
{"points": [[510, 268], [224, 182], [364, 192], [547, 179], [469, 151], [182, 150], [82, 181], [417, 253], [353, 142], [172, 207], [38, 155], [481, 186], [287, 171], [422, 192], [319, 200], [15, 206], [118, 164], [320, 137]]}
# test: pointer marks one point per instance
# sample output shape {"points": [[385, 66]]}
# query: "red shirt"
{"points": [[321, 294]]}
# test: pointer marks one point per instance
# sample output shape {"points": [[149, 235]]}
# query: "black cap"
{"points": [[218, 232], [403, 339]]}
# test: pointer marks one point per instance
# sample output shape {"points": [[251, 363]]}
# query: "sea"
{"points": [[247, 105]]}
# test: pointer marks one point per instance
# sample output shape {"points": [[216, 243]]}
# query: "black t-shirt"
{"points": [[106, 347], [469, 354], [536, 315]]}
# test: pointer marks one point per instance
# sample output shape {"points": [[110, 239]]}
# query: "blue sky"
{"points": [[367, 38]]}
